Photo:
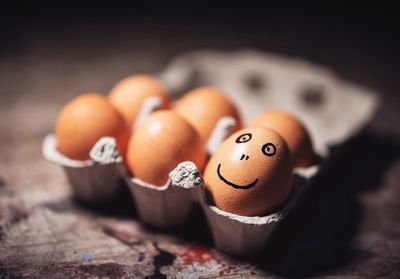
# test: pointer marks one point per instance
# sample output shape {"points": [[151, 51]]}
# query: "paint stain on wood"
{"points": [[164, 258], [197, 254]]}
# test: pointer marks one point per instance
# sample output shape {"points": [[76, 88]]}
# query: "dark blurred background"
{"points": [[357, 40]]}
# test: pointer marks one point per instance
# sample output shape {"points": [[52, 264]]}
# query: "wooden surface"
{"points": [[354, 230]]}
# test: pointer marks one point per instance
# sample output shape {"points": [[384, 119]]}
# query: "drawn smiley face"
{"points": [[250, 173], [268, 149]]}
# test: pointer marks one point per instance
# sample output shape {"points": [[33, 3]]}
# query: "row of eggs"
{"points": [[250, 173]]}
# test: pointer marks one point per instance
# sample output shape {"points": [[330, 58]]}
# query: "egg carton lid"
{"points": [[332, 109]]}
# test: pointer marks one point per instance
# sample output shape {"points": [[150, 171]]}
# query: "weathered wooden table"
{"points": [[354, 230]]}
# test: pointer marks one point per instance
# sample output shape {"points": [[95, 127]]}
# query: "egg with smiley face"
{"points": [[250, 174]]}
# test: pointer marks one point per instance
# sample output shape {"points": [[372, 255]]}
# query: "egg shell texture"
{"points": [[86, 119], [129, 94], [203, 107], [293, 131], [160, 143]]}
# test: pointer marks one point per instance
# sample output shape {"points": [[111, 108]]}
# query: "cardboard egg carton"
{"points": [[169, 205], [165, 206]]}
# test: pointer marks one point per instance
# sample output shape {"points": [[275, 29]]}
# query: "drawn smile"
{"points": [[244, 187]]}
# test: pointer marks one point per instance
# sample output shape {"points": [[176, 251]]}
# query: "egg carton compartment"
{"points": [[168, 205], [93, 181], [243, 235]]}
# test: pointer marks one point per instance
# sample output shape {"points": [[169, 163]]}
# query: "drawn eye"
{"points": [[243, 138], [269, 149]]}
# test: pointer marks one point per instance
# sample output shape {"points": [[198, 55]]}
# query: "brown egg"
{"points": [[203, 107], [86, 119], [251, 173], [293, 131], [160, 143], [129, 94]]}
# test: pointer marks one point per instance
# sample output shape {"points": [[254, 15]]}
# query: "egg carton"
{"points": [[169, 205]]}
